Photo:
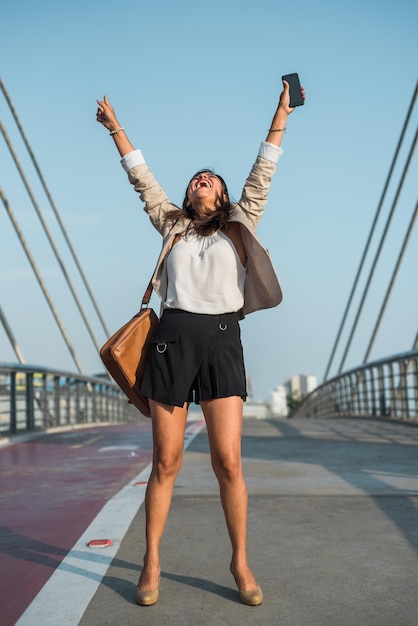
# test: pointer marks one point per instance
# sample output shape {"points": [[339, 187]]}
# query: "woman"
{"points": [[211, 271]]}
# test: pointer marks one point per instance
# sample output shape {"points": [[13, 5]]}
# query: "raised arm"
{"points": [[255, 192], [278, 124], [107, 117], [157, 204]]}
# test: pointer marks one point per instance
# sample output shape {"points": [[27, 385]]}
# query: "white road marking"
{"points": [[121, 447], [68, 592]]}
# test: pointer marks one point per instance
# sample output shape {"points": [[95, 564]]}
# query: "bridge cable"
{"points": [[40, 281], [55, 210], [372, 229], [392, 281], [385, 231], [12, 338], [49, 237]]}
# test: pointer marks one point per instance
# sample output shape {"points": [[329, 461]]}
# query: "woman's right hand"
{"points": [[106, 115]]}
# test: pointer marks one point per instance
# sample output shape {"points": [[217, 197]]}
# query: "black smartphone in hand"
{"points": [[296, 99]]}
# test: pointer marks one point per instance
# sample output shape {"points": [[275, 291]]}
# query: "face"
{"points": [[205, 189]]}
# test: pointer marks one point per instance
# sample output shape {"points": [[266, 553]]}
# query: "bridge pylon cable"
{"points": [[50, 238], [380, 247], [55, 210], [40, 280], [391, 283], [11, 337], [371, 233]]}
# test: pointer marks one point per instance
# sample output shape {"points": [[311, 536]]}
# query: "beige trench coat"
{"points": [[262, 288]]}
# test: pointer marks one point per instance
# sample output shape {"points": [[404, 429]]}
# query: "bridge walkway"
{"points": [[333, 536]]}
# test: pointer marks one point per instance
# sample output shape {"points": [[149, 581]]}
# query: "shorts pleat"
{"points": [[195, 357]]}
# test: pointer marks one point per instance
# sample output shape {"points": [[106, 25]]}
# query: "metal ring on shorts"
{"points": [[161, 348], [223, 326]]}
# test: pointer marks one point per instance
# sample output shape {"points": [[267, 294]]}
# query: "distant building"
{"points": [[256, 410], [249, 388], [278, 404], [298, 387]]}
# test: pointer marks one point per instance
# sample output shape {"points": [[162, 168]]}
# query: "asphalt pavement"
{"points": [[332, 533]]}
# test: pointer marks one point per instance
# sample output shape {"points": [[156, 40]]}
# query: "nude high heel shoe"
{"points": [[147, 598], [251, 597]]}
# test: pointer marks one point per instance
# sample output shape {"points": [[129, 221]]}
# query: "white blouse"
{"points": [[205, 275]]}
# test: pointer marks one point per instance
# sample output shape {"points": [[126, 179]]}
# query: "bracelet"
{"points": [[113, 132], [277, 130]]}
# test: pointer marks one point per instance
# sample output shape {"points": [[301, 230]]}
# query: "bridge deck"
{"points": [[333, 533]]}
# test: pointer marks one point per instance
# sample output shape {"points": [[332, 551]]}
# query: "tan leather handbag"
{"points": [[125, 353]]}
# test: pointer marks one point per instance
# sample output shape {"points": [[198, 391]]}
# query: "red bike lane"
{"points": [[51, 488]]}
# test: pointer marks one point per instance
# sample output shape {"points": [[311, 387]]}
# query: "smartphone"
{"points": [[296, 99]]}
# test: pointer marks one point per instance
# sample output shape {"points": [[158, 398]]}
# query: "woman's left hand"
{"points": [[278, 124], [284, 102]]}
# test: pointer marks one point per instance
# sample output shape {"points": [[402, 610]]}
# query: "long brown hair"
{"points": [[204, 223]]}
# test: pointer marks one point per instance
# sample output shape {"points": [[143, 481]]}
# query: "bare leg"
{"points": [[168, 426], [224, 424]]}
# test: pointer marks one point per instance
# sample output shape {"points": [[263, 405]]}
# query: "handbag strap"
{"points": [[147, 295], [148, 291]]}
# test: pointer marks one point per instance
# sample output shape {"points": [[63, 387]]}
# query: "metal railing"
{"points": [[35, 398], [387, 388]]}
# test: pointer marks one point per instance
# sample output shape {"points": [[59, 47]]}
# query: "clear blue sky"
{"points": [[196, 85]]}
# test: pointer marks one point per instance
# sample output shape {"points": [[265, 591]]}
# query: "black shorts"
{"points": [[196, 357]]}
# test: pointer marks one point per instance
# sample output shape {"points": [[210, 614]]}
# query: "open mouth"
{"points": [[203, 183]]}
